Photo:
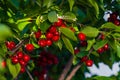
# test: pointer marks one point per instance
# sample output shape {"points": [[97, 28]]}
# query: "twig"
{"points": [[30, 76], [66, 69], [76, 68]]}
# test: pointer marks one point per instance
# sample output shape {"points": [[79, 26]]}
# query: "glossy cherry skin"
{"points": [[82, 36], [49, 35], [14, 59], [38, 34], [26, 57], [100, 50], [48, 42], [55, 38], [52, 29], [89, 63], [42, 42], [22, 70], [76, 50], [20, 54], [58, 23], [10, 45], [106, 47], [29, 47], [22, 62]]}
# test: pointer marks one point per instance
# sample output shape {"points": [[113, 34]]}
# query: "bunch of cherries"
{"points": [[46, 59], [114, 18], [51, 35]]}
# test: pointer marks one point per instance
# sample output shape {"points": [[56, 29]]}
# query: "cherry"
{"points": [[10, 45], [22, 70], [20, 54], [42, 42], [49, 35], [49, 62], [76, 50], [114, 15], [15, 59], [22, 62], [52, 29], [89, 63], [100, 50], [3, 64], [102, 36], [117, 22], [83, 43], [48, 42], [58, 23], [63, 25], [38, 34], [55, 60], [55, 38], [82, 36], [26, 57], [29, 47], [106, 47], [56, 33], [84, 59]]}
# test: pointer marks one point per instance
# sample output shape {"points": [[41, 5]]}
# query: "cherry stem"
{"points": [[30, 76], [66, 69]]}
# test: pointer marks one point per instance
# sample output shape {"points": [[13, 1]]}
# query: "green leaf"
{"points": [[59, 44], [15, 3], [99, 44], [71, 3], [108, 25], [68, 33], [4, 32], [13, 68], [44, 26], [68, 44], [52, 16], [90, 31], [2, 77], [90, 43], [69, 16], [118, 51], [82, 53]]}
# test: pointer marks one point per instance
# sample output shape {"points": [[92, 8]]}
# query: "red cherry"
{"points": [[117, 22], [83, 43], [63, 25], [48, 42], [100, 50], [38, 34], [49, 35], [14, 59], [106, 47], [82, 36], [89, 63], [26, 57], [3, 64], [29, 47], [55, 60], [22, 62], [52, 29], [114, 15], [55, 38], [20, 54], [50, 62], [84, 59], [102, 36], [22, 70], [76, 50], [72, 29], [56, 33], [42, 42], [10, 45], [58, 23]]}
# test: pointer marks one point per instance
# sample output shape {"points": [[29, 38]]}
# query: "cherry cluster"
{"points": [[113, 18], [52, 34], [10, 45], [22, 59], [46, 59]]}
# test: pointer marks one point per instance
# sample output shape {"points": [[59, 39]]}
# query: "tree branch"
{"points": [[30, 76], [66, 69]]}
